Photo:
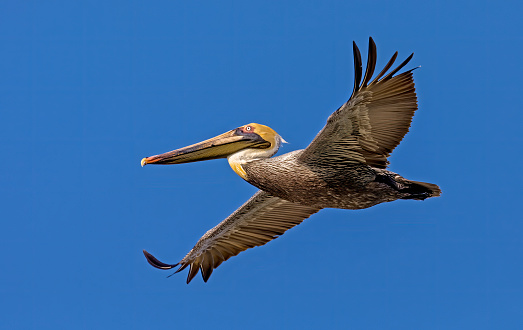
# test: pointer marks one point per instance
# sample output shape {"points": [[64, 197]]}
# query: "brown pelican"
{"points": [[344, 167]]}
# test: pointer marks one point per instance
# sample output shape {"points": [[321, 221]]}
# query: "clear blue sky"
{"points": [[88, 89]]}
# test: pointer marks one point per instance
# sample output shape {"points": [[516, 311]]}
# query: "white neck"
{"points": [[247, 155], [237, 159], [244, 156]]}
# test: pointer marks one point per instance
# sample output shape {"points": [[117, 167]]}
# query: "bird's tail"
{"points": [[420, 190]]}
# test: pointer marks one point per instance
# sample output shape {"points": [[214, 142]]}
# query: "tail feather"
{"points": [[420, 190]]}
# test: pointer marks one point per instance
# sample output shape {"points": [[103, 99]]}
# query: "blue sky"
{"points": [[88, 89]]}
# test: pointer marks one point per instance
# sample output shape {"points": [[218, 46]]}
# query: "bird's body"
{"points": [[354, 186], [343, 167]]}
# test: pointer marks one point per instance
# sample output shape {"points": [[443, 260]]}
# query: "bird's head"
{"points": [[240, 145]]}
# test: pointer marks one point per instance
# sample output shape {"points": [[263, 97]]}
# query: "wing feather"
{"points": [[357, 68], [368, 127], [372, 56], [261, 219]]}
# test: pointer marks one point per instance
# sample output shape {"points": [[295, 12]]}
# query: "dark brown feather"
{"points": [[260, 220], [372, 57], [193, 270], [357, 68], [368, 127], [157, 263], [385, 68]]}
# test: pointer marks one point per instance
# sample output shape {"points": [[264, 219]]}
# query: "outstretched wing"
{"points": [[261, 219], [372, 122]]}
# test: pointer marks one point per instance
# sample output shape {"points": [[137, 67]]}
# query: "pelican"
{"points": [[343, 167]]}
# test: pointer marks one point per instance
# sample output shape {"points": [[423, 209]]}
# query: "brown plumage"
{"points": [[344, 167]]}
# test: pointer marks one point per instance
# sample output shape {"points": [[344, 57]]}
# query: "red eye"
{"points": [[248, 128]]}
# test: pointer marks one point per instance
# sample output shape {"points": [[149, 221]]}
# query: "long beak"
{"points": [[220, 146]]}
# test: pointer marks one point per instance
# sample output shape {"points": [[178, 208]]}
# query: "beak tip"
{"points": [[143, 162]]}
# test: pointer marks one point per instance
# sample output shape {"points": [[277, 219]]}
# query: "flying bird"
{"points": [[343, 167]]}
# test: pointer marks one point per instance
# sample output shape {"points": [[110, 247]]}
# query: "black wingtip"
{"points": [[372, 57], [206, 273], [393, 72], [157, 263], [182, 267], [193, 270], [357, 68]]}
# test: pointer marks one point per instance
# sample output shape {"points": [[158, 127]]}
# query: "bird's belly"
{"points": [[344, 197], [318, 192]]}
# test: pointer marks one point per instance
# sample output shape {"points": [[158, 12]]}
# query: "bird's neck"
{"points": [[242, 157]]}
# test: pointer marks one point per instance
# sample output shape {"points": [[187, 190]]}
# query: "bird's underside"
{"points": [[352, 186], [343, 167]]}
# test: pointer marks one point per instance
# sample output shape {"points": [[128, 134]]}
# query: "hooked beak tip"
{"points": [[143, 162]]}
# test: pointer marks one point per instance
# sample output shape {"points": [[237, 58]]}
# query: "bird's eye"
{"points": [[248, 128]]}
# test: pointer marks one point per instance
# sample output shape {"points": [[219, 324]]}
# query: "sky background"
{"points": [[88, 89]]}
